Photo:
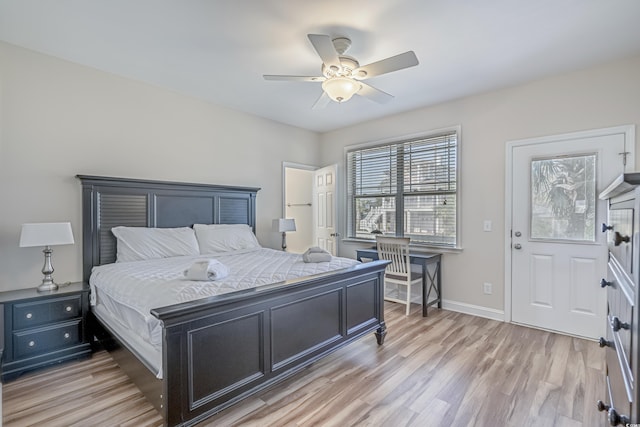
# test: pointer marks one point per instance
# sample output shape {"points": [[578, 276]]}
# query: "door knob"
{"points": [[517, 246], [334, 234], [518, 234]]}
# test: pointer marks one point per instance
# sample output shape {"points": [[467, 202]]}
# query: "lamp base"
{"points": [[284, 241], [47, 284], [47, 287]]}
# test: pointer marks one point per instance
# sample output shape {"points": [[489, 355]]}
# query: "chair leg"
{"points": [[408, 300]]}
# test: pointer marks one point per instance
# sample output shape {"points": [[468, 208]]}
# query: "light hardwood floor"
{"points": [[448, 369]]}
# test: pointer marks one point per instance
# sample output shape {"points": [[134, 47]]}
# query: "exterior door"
{"points": [[558, 254], [324, 194]]}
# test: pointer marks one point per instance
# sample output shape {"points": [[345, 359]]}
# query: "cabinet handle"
{"points": [[32, 343], [617, 419], [616, 324], [619, 238], [606, 227], [604, 283], [67, 308], [604, 343], [600, 404], [67, 335], [29, 316]]}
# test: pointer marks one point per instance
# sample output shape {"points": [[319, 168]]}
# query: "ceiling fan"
{"points": [[342, 75]]}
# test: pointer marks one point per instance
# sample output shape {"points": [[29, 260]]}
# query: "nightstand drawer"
{"points": [[36, 341], [30, 314]]}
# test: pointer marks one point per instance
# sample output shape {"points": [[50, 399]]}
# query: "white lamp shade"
{"points": [[46, 234], [284, 224], [340, 89]]}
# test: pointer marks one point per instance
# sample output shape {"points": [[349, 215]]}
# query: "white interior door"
{"points": [[324, 194], [558, 255]]}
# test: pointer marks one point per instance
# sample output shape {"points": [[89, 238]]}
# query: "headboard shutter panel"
{"points": [[118, 209]]}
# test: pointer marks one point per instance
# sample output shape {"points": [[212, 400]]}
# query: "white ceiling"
{"points": [[218, 50]]}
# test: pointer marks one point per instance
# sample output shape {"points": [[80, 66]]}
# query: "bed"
{"points": [[216, 350]]}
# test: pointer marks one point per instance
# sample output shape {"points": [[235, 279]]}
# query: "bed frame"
{"points": [[219, 350]]}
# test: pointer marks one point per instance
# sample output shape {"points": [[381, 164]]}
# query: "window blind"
{"points": [[406, 188]]}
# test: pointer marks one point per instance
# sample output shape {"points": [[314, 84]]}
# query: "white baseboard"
{"points": [[475, 310]]}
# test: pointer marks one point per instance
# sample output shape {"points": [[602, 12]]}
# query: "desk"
{"points": [[424, 259]]}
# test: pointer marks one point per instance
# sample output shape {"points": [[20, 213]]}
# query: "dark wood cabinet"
{"points": [[621, 398], [41, 329]]}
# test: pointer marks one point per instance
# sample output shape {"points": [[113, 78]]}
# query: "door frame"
{"points": [[629, 141]]}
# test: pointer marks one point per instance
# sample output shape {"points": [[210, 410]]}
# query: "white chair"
{"points": [[398, 276]]}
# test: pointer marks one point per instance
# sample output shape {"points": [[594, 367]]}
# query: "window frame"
{"points": [[399, 212]]}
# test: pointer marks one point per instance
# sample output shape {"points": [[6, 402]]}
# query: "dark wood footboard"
{"points": [[220, 350]]}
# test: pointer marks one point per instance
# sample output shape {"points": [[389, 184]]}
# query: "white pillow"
{"points": [[214, 238], [141, 243]]}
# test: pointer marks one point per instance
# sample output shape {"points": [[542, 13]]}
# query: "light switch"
{"points": [[487, 225]]}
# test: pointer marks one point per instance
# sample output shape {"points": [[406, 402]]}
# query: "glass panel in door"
{"points": [[563, 198]]}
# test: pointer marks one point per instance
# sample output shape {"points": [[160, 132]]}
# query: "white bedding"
{"points": [[129, 290]]}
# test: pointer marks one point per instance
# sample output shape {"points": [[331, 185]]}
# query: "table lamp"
{"points": [[46, 234], [282, 225]]}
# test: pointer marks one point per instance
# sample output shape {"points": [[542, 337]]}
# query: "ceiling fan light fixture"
{"points": [[340, 89]]}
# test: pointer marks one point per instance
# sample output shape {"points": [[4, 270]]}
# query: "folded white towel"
{"points": [[316, 254], [316, 249], [208, 269]]}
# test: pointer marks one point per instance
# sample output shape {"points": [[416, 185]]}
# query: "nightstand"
{"points": [[42, 329]]}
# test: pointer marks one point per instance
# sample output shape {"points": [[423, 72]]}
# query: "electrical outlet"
{"points": [[488, 288], [487, 225]]}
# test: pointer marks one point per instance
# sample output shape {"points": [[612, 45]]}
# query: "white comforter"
{"points": [[129, 290]]}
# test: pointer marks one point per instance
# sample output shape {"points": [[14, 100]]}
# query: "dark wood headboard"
{"points": [[109, 202]]}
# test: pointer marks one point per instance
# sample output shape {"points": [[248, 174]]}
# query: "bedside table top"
{"points": [[23, 294]]}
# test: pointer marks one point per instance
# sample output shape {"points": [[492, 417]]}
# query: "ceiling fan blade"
{"points": [[394, 63], [374, 94], [322, 102], [324, 46], [294, 78]]}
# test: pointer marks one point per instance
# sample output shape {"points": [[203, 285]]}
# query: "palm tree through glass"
{"points": [[563, 198]]}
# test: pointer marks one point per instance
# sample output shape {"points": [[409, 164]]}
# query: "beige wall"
{"points": [[603, 96], [60, 119]]}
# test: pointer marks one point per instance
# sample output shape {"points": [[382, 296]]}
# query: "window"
{"points": [[407, 188]]}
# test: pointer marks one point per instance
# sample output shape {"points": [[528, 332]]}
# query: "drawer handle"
{"points": [[67, 308], [32, 343], [29, 316], [616, 324], [600, 404], [604, 283], [67, 335], [617, 419], [604, 343], [606, 227], [619, 238]]}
